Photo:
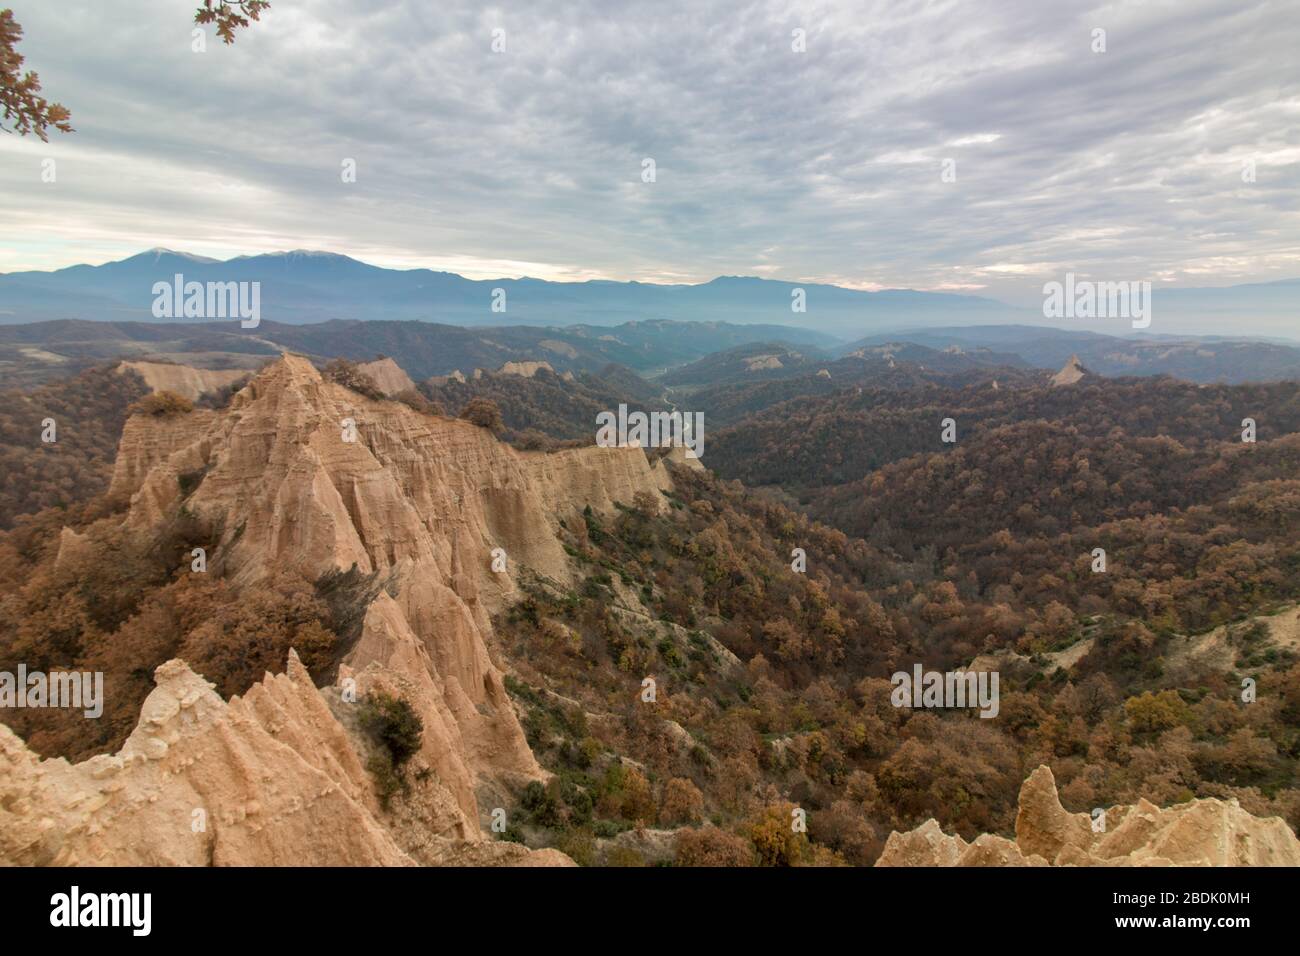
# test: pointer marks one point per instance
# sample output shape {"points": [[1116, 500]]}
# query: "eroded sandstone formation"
{"points": [[1205, 832], [525, 369], [182, 379], [387, 375], [1071, 372], [299, 472]]}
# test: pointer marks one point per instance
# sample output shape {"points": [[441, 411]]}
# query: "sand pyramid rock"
{"points": [[390, 657], [387, 375], [411, 486], [1043, 826], [1207, 832], [272, 775], [418, 501], [1071, 372], [277, 778]]}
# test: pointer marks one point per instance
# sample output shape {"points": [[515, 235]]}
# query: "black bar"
{"points": [[552, 906]]}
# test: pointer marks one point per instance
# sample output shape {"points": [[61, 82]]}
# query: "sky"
{"points": [[821, 164]]}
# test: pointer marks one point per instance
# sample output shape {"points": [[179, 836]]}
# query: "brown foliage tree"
{"points": [[20, 98], [682, 802], [230, 15], [484, 413], [710, 846]]}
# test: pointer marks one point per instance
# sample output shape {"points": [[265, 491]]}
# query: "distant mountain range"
{"points": [[308, 287], [301, 287]]}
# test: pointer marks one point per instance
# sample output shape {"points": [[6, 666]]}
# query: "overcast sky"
{"points": [[825, 165]]}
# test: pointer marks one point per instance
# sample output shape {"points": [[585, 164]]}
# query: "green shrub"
{"points": [[396, 730]]}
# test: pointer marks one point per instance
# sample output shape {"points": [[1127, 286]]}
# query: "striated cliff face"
{"points": [[146, 441], [1197, 833], [300, 472]]}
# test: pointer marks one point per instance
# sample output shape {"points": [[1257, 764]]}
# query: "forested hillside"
{"points": [[773, 686], [87, 412], [834, 439], [40, 350], [1112, 548]]}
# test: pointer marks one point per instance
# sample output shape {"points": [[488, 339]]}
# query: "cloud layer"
{"points": [[825, 165]]}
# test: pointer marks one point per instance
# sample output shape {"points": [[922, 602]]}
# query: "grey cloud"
{"points": [[1124, 164]]}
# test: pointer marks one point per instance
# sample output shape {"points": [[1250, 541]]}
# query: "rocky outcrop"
{"points": [[1071, 372], [182, 379], [456, 376], [147, 441], [299, 472], [267, 778], [758, 363], [387, 376], [526, 369], [1205, 832], [271, 778]]}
